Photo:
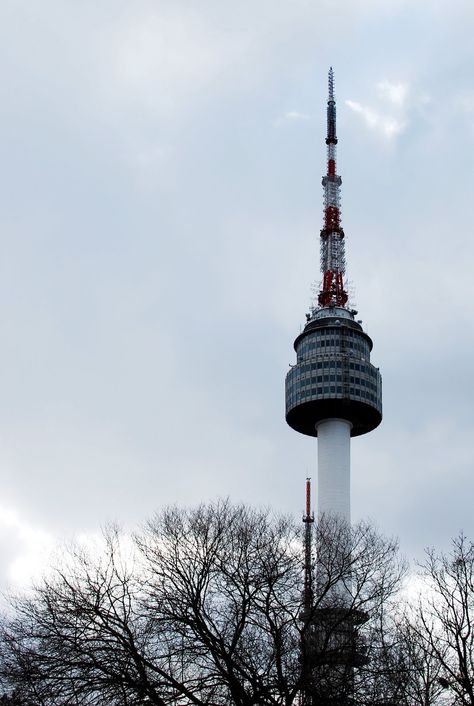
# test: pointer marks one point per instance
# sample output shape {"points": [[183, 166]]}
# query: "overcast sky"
{"points": [[160, 207]]}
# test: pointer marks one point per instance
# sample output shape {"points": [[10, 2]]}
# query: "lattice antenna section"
{"points": [[333, 261]]}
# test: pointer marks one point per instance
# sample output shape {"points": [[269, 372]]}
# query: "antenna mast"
{"points": [[308, 519], [333, 263]]}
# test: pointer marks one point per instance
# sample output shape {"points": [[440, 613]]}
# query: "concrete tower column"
{"points": [[334, 468]]}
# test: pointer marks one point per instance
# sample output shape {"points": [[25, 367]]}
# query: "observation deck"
{"points": [[333, 376]]}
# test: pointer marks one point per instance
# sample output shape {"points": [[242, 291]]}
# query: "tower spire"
{"points": [[333, 262]]}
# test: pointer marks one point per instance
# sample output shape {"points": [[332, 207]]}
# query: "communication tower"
{"points": [[333, 392]]}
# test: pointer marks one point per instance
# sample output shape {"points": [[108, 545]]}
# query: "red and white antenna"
{"points": [[333, 264]]}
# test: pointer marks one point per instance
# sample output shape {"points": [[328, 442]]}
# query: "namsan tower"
{"points": [[333, 392]]}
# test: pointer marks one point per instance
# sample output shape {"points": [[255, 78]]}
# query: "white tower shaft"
{"points": [[334, 464]]}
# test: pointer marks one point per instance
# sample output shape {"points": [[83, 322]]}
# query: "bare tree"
{"points": [[81, 637], [444, 622], [401, 672], [203, 606], [225, 581], [423, 683]]}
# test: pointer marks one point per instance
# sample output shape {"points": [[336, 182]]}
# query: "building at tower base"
{"points": [[331, 644]]}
